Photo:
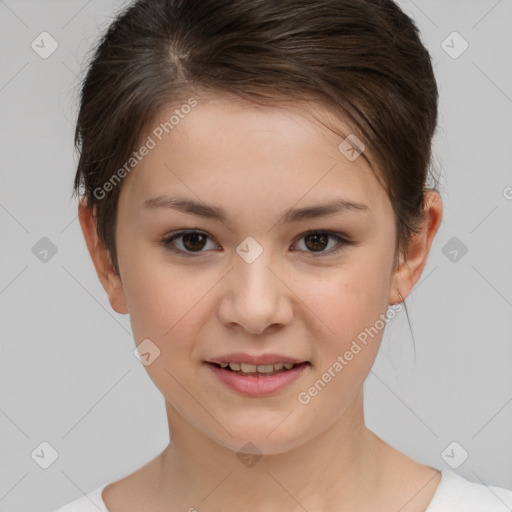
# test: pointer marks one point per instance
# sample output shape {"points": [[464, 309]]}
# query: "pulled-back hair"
{"points": [[362, 58]]}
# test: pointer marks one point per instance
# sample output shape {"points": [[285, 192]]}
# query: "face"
{"points": [[267, 280]]}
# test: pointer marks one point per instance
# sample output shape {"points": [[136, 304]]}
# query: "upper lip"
{"points": [[255, 360]]}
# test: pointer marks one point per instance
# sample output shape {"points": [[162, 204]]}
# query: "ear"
{"points": [[100, 256], [409, 270]]}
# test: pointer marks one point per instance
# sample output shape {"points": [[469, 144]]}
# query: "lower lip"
{"points": [[251, 385]]}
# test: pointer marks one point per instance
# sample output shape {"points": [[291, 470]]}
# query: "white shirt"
{"points": [[454, 494]]}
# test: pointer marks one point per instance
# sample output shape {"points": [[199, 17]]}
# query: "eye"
{"points": [[193, 242], [190, 241], [317, 241]]}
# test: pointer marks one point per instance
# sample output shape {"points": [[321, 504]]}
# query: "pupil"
{"points": [[194, 237], [315, 238]]}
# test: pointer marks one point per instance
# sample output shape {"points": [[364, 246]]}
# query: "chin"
{"points": [[260, 439]]}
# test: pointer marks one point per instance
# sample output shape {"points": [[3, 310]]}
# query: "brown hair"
{"points": [[362, 58]]}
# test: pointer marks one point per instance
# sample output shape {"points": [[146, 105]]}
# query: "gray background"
{"points": [[68, 376]]}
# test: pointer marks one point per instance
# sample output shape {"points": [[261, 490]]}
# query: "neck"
{"points": [[333, 471]]}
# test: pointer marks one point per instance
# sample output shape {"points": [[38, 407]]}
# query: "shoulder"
{"points": [[91, 502], [456, 494]]}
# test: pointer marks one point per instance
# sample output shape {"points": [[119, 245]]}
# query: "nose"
{"points": [[255, 296]]}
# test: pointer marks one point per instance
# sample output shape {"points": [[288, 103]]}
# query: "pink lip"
{"points": [[249, 359], [260, 385]]}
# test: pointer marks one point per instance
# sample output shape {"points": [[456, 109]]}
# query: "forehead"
{"points": [[224, 146]]}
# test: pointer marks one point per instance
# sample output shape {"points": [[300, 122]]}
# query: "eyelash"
{"points": [[167, 242]]}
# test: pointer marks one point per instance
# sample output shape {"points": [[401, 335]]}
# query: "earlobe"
{"points": [[410, 269], [100, 256]]}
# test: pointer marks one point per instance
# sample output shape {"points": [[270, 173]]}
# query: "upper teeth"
{"points": [[261, 368]]}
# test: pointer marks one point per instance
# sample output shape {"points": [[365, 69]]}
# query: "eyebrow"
{"points": [[338, 205]]}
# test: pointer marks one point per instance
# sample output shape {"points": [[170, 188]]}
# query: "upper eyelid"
{"points": [[300, 235], [182, 232]]}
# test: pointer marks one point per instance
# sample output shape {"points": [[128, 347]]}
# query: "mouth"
{"points": [[257, 376], [260, 370]]}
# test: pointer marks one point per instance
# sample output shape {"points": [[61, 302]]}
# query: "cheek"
{"points": [[352, 306], [163, 299], [349, 305], [150, 291], [351, 296]]}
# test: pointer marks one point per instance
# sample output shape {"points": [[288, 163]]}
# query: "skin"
{"points": [[256, 162]]}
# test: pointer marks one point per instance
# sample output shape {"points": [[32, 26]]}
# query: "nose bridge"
{"points": [[253, 278], [257, 273], [257, 297]]}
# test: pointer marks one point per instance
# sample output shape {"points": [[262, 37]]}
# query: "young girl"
{"points": [[253, 181]]}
